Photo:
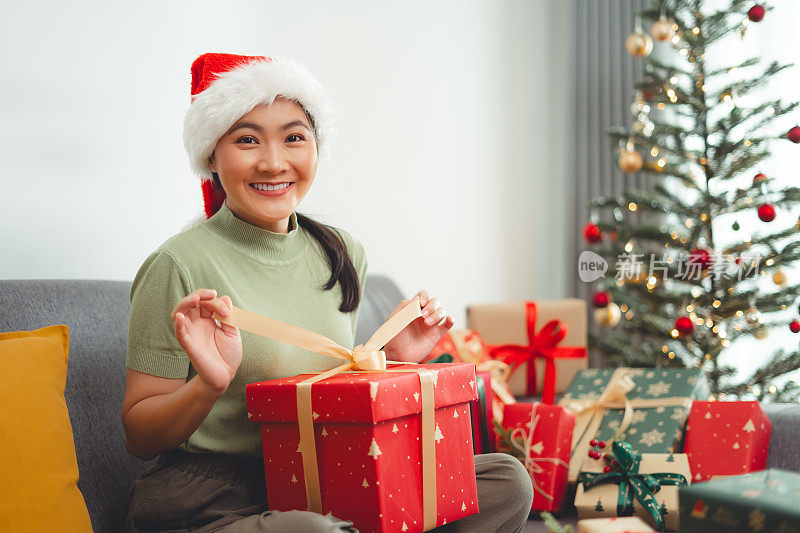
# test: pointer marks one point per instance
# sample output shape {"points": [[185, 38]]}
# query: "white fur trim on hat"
{"points": [[236, 92]]}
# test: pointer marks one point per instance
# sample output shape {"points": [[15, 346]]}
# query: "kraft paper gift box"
{"points": [[726, 438], [544, 342], [627, 524], [765, 501], [646, 484], [659, 400], [368, 445], [387, 447], [539, 435]]}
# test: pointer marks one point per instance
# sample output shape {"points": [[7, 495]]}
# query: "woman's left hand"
{"points": [[417, 339]]}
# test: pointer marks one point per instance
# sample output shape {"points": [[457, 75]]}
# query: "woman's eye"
{"points": [[295, 136], [247, 137]]}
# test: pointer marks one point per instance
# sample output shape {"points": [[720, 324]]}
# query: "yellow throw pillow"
{"points": [[38, 467]]}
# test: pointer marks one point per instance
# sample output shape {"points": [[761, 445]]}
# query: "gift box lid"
{"points": [[770, 490], [650, 383], [361, 397]]}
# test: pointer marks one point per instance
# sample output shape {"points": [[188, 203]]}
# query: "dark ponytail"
{"points": [[342, 269]]}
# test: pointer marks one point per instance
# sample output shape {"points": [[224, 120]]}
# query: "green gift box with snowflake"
{"points": [[763, 501], [646, 407]]}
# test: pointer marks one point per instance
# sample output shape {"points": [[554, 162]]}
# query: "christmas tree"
{"points": [[680, 298], [599, 506]]}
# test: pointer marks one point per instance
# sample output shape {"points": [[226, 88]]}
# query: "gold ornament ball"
{"points": [[752, 316], [639, 44], [608, 316], [662, 30], [779, 277], [761, 333], [629, 161]]}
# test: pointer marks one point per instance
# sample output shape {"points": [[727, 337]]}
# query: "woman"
{"points": [[254, 132]]}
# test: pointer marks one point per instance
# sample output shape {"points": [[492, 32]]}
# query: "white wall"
{"points": [[450, 165]]}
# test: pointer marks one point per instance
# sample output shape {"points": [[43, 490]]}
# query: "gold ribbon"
{"points": [[367, 358], [531, 463], [589, 414]]}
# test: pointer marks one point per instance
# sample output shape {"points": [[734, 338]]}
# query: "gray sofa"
{"points": [[96, 312]]}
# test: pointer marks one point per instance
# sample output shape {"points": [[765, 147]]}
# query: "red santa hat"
{"points": [[226, 86]]}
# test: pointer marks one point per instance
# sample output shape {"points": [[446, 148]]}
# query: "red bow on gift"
{"points": [[543, 344]]}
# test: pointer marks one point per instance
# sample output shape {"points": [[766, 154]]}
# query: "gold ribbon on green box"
{"points": [[589, 414], [362, 358]]}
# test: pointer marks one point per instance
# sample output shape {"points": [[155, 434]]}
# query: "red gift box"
{"points": [[726, 438], [367, 428], [543, 435]]}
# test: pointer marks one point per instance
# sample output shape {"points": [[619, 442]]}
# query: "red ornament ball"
{"points": [[594, 454], [794, 134], [794, 325], [607, 469], [702, 257], [600, 300], [758, 178], [756, 13], [593, 443], [592, 233], [601, 444], [766, 212], [684, 325]]}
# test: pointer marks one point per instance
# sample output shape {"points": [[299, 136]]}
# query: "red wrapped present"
{"points": [[389, 448], [726, 438], [543, 342], [540, 436], [465, 345]]}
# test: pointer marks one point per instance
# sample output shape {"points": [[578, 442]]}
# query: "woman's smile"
{"points": [[271, 189]]}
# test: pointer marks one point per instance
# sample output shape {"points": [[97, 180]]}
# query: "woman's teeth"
{"points": [[265, 187]]}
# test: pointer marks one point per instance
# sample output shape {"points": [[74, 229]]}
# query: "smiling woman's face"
{"points": [[270, 145]]}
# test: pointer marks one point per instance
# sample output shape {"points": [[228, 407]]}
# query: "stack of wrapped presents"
{"points": [[630, 449]]}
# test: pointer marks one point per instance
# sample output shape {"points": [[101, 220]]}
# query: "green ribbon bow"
{"points": [[632, 483]]}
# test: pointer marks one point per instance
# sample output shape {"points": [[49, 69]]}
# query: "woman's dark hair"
{"points": [[342, 269]]}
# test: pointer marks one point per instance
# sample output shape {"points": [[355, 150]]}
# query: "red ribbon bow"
{"points": [[543, 344]]}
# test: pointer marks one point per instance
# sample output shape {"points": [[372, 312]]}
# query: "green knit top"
{"points": [[279, 275]]}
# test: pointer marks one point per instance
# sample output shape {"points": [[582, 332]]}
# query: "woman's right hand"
{"points": [[215, 351]]}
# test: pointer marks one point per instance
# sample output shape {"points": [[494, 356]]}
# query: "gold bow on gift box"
{"points": [[364, 358]]}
